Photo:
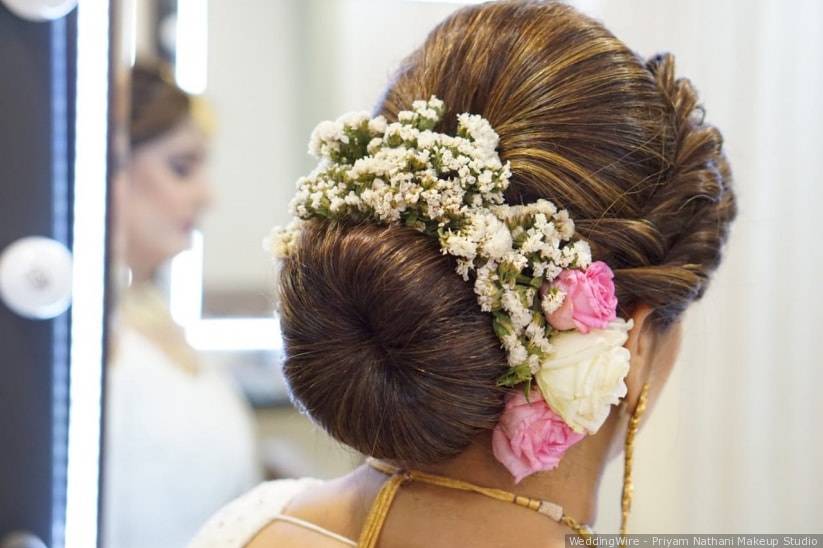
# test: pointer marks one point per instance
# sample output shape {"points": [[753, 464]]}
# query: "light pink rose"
{"points": [[590, 301], [530, 437]]}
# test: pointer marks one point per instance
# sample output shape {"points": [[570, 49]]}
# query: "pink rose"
{"points": [[590, 301], [530, 437]]}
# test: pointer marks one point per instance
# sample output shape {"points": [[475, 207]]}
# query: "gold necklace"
{"points": [[399, 476]]}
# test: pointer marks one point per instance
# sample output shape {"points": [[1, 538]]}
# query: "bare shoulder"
{"points": [[337, 506], [284, 534]]}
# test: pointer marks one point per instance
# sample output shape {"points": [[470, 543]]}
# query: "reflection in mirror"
{"points": [[172, 418], [223, 98]]}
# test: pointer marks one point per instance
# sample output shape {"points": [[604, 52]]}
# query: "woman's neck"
{"points": [[141, 275], [573, 484]]}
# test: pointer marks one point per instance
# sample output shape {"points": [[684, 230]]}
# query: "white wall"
{"points": [[252, 65], [735, 444]]}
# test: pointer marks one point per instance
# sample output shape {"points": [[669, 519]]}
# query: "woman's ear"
{"points": [[653, 354], [641, 344]]}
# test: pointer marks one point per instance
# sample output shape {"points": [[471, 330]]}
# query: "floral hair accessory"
{"points": [[590, 301], [530, 437], [584, 375], [528, 271]]}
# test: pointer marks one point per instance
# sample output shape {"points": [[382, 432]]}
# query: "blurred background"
{"points": [[735, 443]]}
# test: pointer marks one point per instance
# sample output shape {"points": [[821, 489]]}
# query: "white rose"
{"points": [[584, 375]]}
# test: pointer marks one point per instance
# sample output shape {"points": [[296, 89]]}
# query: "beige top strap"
{"points": [[315, 528]]}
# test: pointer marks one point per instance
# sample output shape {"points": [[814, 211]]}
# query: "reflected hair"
{"points": [[157, 104]]}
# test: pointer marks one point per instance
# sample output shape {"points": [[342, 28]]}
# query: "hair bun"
{"points": [[386, 346]]}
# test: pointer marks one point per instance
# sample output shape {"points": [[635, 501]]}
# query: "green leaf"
{"points": [[502, 325], [524, 280], [515, 375], [411, 218], [527, 388]]}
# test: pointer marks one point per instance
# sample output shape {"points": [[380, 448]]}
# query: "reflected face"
{"points": [[165, 192]]}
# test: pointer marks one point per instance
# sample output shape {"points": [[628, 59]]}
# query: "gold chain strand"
{"points": [[379, 511], [380, 507], [628, 459], [384, 499]]}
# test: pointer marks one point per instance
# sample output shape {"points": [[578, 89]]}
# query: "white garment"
{"points": [[179, 446], [239, 522]]}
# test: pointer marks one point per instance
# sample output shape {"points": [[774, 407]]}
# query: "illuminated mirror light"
{"points": [[191, 45], [87, 328]]}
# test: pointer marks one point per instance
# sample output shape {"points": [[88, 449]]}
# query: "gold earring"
{"points": [[628, 486]]}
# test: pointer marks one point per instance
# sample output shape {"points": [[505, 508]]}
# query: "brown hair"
{"points": [[386, 346], [157, 104]]}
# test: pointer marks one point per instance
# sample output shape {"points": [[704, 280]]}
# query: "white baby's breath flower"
{"points": [[374, 145], [510, 341], [583, 253], [405, 116], [545, 207], [552, 271], [533, 242], [564, 225], [426, 139], [536, 334], [546, 227], [517, 354], [324, 133], [498, 240], [534, 329], [316, 199], [551, 300], [336, 204], [534, 363], [377, 125], [463, 268], [481, 132], [538, 269], [429, 114], [516, 261], [520, 315], [353, 199], [486, 287], [353, 119], [568, 256], [436, 103], [281, 241], [460, 246], [485, 179]]}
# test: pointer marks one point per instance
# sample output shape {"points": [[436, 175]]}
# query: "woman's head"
{"points": [[386, 345], [167, 186]]}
